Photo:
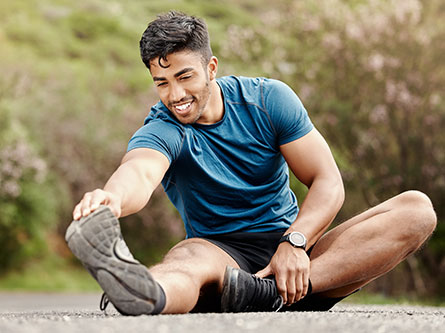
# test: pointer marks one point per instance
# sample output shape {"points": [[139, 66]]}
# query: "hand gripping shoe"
{"points": [[244, 292], [96, 240]]}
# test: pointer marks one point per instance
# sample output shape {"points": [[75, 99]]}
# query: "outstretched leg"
{"points": [[191, 268], [370, 244]]}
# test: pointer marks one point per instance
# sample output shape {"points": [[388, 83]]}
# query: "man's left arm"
{"points": [[311, 161]]}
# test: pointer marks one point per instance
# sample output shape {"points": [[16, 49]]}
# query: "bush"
{"points": [[27, 199]]}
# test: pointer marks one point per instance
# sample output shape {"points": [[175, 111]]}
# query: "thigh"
{"points": [[200, 258], [328, 238], [357, 240]]}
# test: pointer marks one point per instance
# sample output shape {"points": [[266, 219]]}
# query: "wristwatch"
{"points": [[296, 239]]}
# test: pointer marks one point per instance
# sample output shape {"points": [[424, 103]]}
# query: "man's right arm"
{"points": [[131, 185]]}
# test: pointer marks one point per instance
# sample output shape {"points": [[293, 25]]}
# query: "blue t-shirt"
{"points": [[230, 176]]}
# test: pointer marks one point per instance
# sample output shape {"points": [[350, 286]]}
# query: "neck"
{"points": [[215, 105]]}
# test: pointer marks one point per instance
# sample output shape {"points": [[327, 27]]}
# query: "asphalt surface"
{"points": [[80, 313]]}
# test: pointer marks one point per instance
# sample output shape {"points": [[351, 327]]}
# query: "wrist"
{"points": [[295, 239]]}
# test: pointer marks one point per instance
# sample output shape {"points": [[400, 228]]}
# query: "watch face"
{"points": [[297, 239]]}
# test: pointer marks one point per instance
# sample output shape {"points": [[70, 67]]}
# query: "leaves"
{"points": [[72, 91]]}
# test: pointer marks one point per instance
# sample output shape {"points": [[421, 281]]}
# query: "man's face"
{"points": [[183, 86]]}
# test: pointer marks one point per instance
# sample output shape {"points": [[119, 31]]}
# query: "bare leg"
{"points": [[189, 267], [371, 244]]}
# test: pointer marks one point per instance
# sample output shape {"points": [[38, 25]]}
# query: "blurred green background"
{"points": [[73, 89]]}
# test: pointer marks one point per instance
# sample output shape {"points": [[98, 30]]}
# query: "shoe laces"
{"points": [[265, 295], [104, 301]]}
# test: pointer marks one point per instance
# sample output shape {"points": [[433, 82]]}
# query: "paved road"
{"points": [[79, 313]]}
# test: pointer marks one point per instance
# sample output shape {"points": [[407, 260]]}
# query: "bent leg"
{"points": [[187, 269], [370, 244]]}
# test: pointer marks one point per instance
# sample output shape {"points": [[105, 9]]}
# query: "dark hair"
{"points": [[174, 32]]}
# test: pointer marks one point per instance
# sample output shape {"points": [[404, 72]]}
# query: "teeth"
{"points": [[183, 106]]}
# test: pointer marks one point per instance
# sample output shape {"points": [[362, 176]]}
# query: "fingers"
{"points": [[292, 289], [305, 284], [286, 283], [291, 268], [292, 277], [265, 272], [299, 288], [89, 203], [77, 213], [292, 285], [288, 286], [282, 287]]}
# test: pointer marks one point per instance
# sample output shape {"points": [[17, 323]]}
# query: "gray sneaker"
{"points": [[96, 240]]}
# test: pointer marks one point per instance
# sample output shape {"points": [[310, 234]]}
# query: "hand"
{"points": [[92, 200], [290, 266]]}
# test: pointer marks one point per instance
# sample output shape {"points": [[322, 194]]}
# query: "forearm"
{"points": [[311, 161], [291, 266], [131, 186], [320, 206]]}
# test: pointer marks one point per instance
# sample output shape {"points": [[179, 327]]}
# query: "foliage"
{"points": [[27, 197], [382, 104], [371, 74], [77, 74], [73, 90]]}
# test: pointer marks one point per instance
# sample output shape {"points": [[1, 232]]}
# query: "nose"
{"points": [[176, 93]]}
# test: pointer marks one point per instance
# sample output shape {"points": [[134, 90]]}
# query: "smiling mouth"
{"points": [[183, 108]]}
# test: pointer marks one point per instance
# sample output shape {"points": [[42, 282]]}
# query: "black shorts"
{"points": [[254, 250]]}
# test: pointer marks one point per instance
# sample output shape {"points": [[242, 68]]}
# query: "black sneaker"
{"points": [[244, 292], [96, 240]]}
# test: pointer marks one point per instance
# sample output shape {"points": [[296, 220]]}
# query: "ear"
{"points": [[212, 68]]}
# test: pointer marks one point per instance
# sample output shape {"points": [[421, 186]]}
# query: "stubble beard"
{"points": [[203, 97]]}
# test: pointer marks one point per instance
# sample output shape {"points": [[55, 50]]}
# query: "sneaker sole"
{"points": [[127, 283], [230, 285]]}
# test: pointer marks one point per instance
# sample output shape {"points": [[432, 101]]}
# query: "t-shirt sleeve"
{"points": [[159, 135], [288, 115]]}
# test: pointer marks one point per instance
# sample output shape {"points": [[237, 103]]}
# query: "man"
{"points": [[222, 148]]}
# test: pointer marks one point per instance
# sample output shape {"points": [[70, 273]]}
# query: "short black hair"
{"points": [[174, 32]]}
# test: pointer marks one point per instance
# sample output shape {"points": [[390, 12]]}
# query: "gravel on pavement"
{"points": [[24, 312]]}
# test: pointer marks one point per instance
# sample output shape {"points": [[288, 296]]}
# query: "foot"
{"points": [[244, 292], [96, 240]]}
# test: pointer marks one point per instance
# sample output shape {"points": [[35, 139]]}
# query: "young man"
{"points": [[222, 148]]}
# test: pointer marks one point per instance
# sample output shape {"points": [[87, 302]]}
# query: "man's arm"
{"points": [[311, 161], [131, 185]]}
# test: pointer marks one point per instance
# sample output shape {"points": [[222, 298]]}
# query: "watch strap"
{"points": [[286, 238]]}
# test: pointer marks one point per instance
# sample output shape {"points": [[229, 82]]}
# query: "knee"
{"points": [[419, 213], [184, 251], [416, 198], [194, 260], [182, 263]]}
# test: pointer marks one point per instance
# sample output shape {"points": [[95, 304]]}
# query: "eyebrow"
{"points": [[182, 71]]}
